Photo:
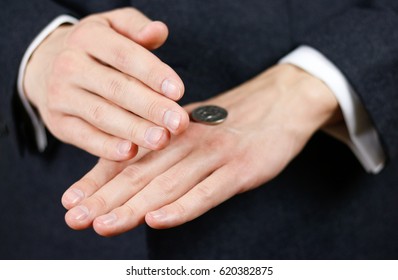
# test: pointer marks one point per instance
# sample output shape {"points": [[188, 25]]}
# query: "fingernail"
{"points": [[107, 220], [124, 147], [79, 213], [171, 89], [153, 135], [73, 196], [159, 215], [172, 120]]}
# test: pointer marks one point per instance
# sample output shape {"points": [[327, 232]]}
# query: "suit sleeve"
{"points": [[21, 22], [363, 43]]}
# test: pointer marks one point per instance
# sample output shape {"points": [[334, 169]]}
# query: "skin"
{"points": [[97, 86], [271, 118]]}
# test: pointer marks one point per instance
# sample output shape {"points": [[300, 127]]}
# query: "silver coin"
{"points": [[209, 114]]}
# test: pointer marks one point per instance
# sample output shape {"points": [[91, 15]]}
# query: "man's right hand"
{"points": [[97, 86]]}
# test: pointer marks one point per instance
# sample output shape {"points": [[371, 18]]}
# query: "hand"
{"points": [[270, 120], [97, 85]]}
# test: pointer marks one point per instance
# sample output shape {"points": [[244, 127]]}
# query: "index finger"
{"points": [[123, 54]]}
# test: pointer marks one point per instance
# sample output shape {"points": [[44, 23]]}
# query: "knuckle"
{"points": [[133, 13], [129, 9], [99, 202], [89, 183], [107, 148], [132, 131], [156, 73], [122, 59], [82, 31], [132, 171], [152, 109], [244, 182], [65, 64], [205, 193], [166, 185], [116, 89], [130, 210], [133, 176], [246, 179], [181, 210], [97, 113]]}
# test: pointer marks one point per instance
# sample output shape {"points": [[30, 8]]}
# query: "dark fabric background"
{"points": [[322, 206]]}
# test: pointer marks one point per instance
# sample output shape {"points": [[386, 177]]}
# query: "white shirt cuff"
{"points": [[357, 132], [38, 125]]}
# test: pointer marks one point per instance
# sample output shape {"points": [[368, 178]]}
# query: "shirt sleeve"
{"points": [[357, 130], [362, 41], [38, 125]]}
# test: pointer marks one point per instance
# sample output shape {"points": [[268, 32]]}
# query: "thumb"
{"points": [[136, 26]]}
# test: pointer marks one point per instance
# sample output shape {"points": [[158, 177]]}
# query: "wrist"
{"points": [[39, 63], [309, 102]]}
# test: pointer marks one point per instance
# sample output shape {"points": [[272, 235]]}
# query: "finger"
{"points": [[116, 121], [98, 176], [117, 191], [163, 189], [152, 36], [218, 187], [132, 95], [136, 26], [102, 172], [83, 135], [128, 57]]}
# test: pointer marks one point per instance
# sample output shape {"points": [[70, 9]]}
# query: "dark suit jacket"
{"points": [[322, 206]]}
